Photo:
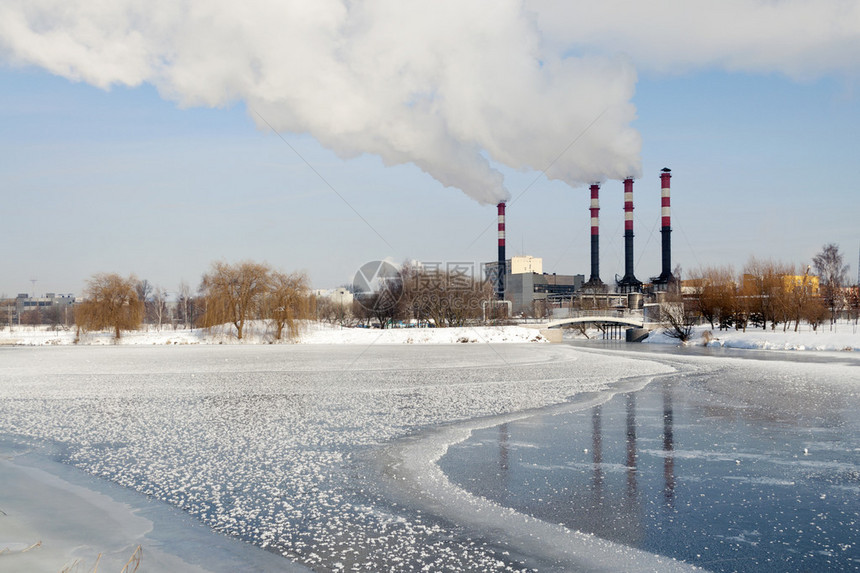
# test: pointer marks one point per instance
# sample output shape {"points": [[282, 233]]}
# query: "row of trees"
{"points": [[761, 295], [443, 297], [54, 317], [229, 294], [235, 294], [767, 292]]}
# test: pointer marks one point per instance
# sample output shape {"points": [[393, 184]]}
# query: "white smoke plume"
{"points": [[802, 39], [450, 85]]}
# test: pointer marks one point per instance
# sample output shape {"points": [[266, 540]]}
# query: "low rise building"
{"points": [[340, 296]]}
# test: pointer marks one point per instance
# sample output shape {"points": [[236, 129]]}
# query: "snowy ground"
{"points": [[258, 333], [843, 336], [275, 445]]}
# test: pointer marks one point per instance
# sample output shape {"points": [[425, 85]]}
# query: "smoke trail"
{"points": [[453, 86], [802, 39]]}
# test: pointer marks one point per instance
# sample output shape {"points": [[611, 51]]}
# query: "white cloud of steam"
{"points": [[444, 85], [448, 85], [802, 39]]}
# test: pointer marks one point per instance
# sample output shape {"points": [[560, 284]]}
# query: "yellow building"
{"points": [[789, 282], [810, 282]]}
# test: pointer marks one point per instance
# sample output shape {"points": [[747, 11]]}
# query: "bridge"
{"points": [[615, 319], [608, 316], [596, 319]]}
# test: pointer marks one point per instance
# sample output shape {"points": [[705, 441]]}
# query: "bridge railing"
{"points": [[613, 312]]}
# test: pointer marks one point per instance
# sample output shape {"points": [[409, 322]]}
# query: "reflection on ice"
{"points": [[723, 482]]}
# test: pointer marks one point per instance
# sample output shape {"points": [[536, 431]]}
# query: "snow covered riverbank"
{"points": [[843, 337], [257, 333]]}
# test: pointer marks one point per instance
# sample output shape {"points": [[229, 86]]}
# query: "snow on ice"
{"points": [[276, 445], [294, 447]]}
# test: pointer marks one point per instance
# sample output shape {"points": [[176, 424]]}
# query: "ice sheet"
{"points": [[56, 518], [270, 444]]}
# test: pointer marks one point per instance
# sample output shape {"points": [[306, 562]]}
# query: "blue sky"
{"points": [[128, 180]]}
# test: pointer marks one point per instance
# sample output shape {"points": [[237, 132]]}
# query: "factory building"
{"points": [[529, 289]]}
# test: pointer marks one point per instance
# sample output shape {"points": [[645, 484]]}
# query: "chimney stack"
{"points": [[500, 280], [666, 227], [594, 281], [628, 283], [595, 233]]}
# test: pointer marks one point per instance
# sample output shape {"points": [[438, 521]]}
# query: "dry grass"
{"points": [[133, 561], [131, 566], [7, 551]]}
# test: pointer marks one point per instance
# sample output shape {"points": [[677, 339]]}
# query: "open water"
{"points": [[732, 465]]}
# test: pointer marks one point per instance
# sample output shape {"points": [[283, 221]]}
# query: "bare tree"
{"points": [[184, 304], [449, 297], [362, 315], [68, 316], [765, 291], [158, 305], [815, 313], [386, 304], [799, 295], [832, 274], [110, 301], [32, 317], [144, 289], [287, 302], [8, 306], [677, 318], [53, 317], [716, 295], [233, 293], [332, 312], [854, 303]]}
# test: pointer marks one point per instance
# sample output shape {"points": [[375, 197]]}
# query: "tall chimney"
{"points": [[628, 283], [594, 279], [666, 227], [500, 284]]}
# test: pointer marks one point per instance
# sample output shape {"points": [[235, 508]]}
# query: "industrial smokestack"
{"points": [[500, 280], [628, 283], [594, 280], [666, 227]]}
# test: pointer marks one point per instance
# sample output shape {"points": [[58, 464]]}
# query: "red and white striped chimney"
{"points": [[628, 205], [666, 226], [500, 281], [628, 283], [595, 234], [665, 176]]}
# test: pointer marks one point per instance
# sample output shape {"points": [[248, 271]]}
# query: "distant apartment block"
{"points": [[13, 309]]}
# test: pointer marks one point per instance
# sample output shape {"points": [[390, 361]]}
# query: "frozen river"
{"points": [[750, 466], [327, 455]]}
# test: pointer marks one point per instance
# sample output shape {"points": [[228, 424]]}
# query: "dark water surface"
{"points": [[742, 466]]}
